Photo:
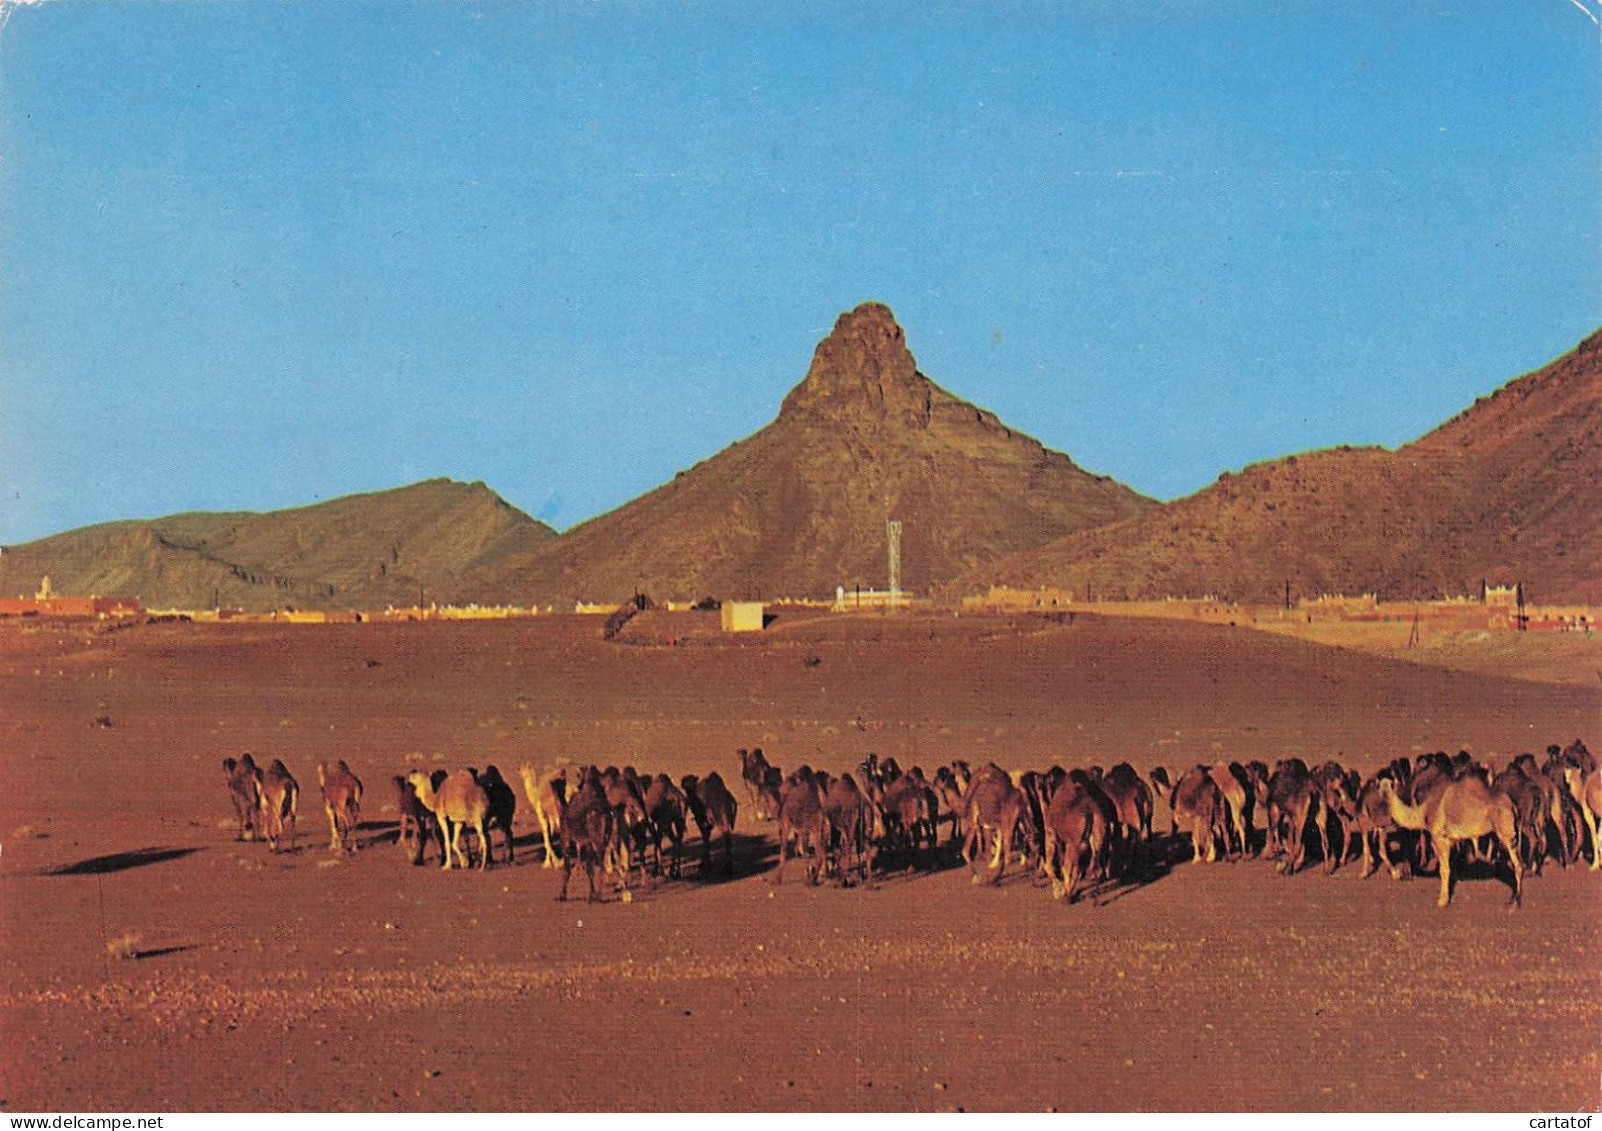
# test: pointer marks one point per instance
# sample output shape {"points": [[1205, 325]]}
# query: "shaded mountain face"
{"points": [[359, 552], [800, 508], [1509, 490]]}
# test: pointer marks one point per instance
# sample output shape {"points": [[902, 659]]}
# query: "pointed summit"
{"points": [[863, 372], [799, 507]]}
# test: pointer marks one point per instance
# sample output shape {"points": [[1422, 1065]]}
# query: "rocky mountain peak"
{"points": [[864, 373]]}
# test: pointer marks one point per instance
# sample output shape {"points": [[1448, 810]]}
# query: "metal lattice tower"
{"points": [[892, 530]]}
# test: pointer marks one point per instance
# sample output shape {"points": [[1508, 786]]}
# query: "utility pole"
{"points": [[892, 530]]}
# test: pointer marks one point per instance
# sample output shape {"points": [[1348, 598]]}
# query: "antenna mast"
{"points": [[892, 530]]}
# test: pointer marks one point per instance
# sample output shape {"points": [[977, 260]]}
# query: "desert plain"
{"points": [[151, 962]]}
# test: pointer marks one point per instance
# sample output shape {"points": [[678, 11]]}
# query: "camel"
{"points": [[280, 801], [801, 820], [1371, 821], [459, 803], [1531, 809], [1337, 798], [502, 804], [1293, 800], [715, 811], [665, 807], [850, 819], [1131, 798], [992, 809], [754, 767], [243, 778], [342, 801], [588, 828], [417, 824], [908, 810], [1198, 809], [547, 793], [1463, 810], [948, 800], [1076, 831], [768, 793], [1230, 778], [624, 795], [1586, 789]]}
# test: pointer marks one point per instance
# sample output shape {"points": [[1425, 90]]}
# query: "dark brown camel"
{"points": [[1076, 832], [848, 814], [280, 803], [588, 829], [502, 804], [417, 825], [665, 808], [243, 778], [801, 820], [754, 767], [1293, 801], [715, 811]]}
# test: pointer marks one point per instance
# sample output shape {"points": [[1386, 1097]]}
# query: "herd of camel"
{"points": [[1075, 827]]}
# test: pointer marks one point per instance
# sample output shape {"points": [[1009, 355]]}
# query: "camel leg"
{"points": [[1443, 853], [454, 854], [333, 829], [567, 874], [484, 843], [1509, 838], [550, 853]]}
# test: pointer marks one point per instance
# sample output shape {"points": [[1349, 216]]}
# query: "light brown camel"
{"points": [[243, 778], [991, 810], [1463, 810], [1586, 789], [460, 802], [1230, 778], [1371, 821], [1198, 809], [546, 792], [342, 801], [280, 802]]}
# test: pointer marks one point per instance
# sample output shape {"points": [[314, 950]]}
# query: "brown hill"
{"points": [[1509, 490], [362, 551], [800, 507]]}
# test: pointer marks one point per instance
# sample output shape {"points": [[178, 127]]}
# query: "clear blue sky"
{"points": [[256, 254]]}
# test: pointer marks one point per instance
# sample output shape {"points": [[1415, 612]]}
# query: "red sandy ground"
{"points": [[300, 982]]}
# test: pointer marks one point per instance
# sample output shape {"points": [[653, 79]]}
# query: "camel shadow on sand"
{"points": [[120, 861]]}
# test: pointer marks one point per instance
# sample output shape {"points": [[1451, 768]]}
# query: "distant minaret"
{"points": [[892, 530]]}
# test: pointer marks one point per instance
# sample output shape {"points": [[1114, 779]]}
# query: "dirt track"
{"points": [[371, 985]]}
